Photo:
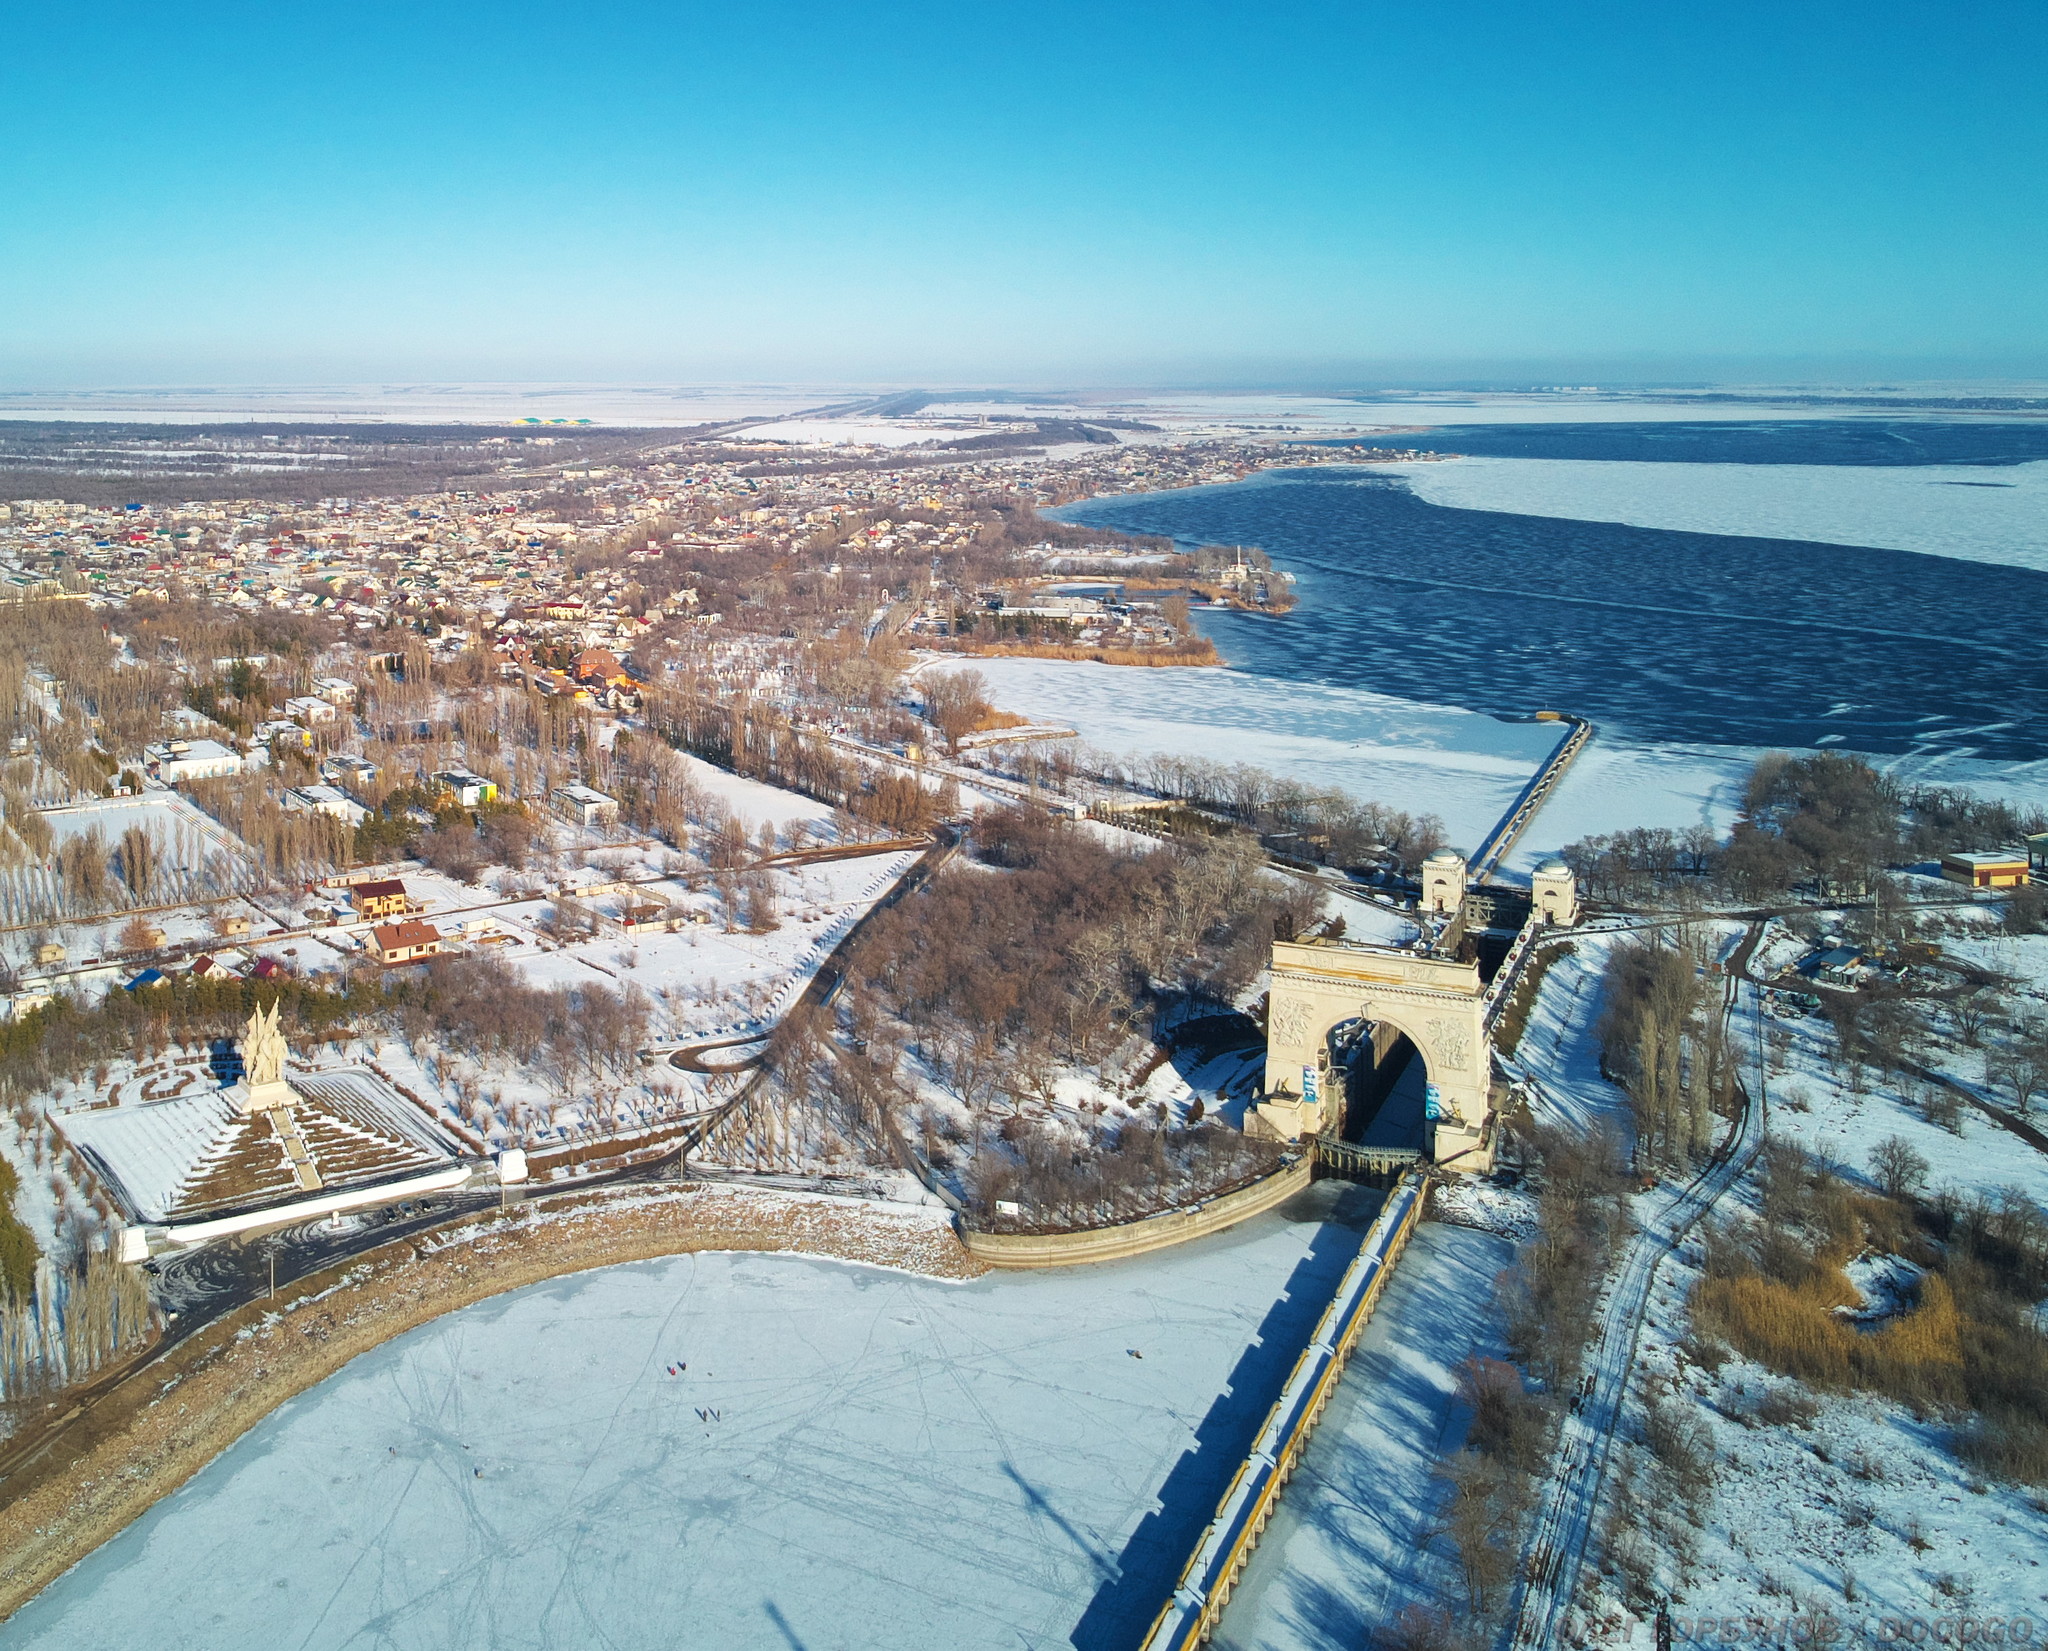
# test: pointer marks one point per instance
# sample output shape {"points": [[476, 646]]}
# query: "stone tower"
{"points": [[1443, 882], [1554, 892]]}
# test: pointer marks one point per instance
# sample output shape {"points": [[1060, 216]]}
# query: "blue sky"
{"points": [[1163, 193]]}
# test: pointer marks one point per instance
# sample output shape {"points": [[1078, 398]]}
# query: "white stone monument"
{"points": [[262, 1088]]}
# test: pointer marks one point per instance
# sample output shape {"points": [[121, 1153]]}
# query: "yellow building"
{"points": [[2003, 869]]}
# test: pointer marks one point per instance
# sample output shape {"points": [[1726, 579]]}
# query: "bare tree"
{"points": [[1897, 1168], [955, 702], [82, 865], [139, 860], [2020, 1069], [1970, 1011]]}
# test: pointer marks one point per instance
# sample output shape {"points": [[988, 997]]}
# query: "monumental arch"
{"points": [[1439, 1005]]}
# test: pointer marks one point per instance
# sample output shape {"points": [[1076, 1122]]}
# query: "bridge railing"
{"points": [[1190, 1616], [1502, 986]]}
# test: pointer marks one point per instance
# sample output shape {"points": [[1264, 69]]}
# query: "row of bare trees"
{"points": [[1349, 831], [1664, 1040]]}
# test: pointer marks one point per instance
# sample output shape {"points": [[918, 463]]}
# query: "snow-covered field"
{"points": [[851, 1457], [1977, 514], [197, 857], [854, 432], [458, 403]]}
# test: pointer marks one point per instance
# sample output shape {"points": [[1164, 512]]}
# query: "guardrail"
{"points": [[1191, 1615], [1502, 986]]}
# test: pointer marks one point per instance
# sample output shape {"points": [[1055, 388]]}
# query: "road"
{"points": [[1557, 1543], [1533, 796]]}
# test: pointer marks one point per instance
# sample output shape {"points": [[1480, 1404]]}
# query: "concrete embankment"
{"points": [[1152, 1232], [148, 1434]]}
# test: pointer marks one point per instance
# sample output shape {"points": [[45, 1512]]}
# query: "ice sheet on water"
{"points": [[886, 1461], [1664, 636], [1996, 515], [1428, 759]]}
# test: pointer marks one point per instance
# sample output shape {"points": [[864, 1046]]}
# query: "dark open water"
{"points": [[1660, 635]]}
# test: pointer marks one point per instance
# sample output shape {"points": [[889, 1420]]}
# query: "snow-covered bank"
{"points": [[728, 1450], [1978, 514], [1423, 758], [1435, 759], [1430, 759]]}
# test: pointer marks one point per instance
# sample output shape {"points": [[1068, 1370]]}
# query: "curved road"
{"points": [[1556, 1547]]}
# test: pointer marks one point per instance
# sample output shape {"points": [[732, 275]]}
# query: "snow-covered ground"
{"points": [[851, 1457], [1559, 1050], [738, 981], [51, 1200], [1866, 1509], [197, 858], [1461, 765], [1617, 785], [701, 982], [460, 403], [856, 432], [1350, 1545], [1975, 514]]}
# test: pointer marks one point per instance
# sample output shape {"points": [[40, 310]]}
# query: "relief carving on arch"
{"points": [[1452, 1044], [1290, 1023]]}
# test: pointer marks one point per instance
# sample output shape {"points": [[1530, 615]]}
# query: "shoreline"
{"points": [[1194, 658], [1134, 657], [105, 1465]]}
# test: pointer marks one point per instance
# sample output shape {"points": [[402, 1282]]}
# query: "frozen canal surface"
{"points": [[852, 1458]]}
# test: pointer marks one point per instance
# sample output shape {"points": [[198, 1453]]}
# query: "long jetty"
{"points": [[1533, 796]]}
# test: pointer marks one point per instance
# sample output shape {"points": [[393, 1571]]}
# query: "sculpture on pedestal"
{"points": [[263, 1050]]}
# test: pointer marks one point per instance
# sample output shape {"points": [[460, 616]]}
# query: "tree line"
{"points": [[1825, 822]]}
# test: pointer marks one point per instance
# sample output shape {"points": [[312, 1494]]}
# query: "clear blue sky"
{"points": [[1048, 193]]}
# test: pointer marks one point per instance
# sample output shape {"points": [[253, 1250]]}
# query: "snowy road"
{"points": [[1557, 1544]]}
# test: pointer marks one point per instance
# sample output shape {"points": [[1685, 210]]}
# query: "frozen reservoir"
{"points": [[739, 1450]]}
